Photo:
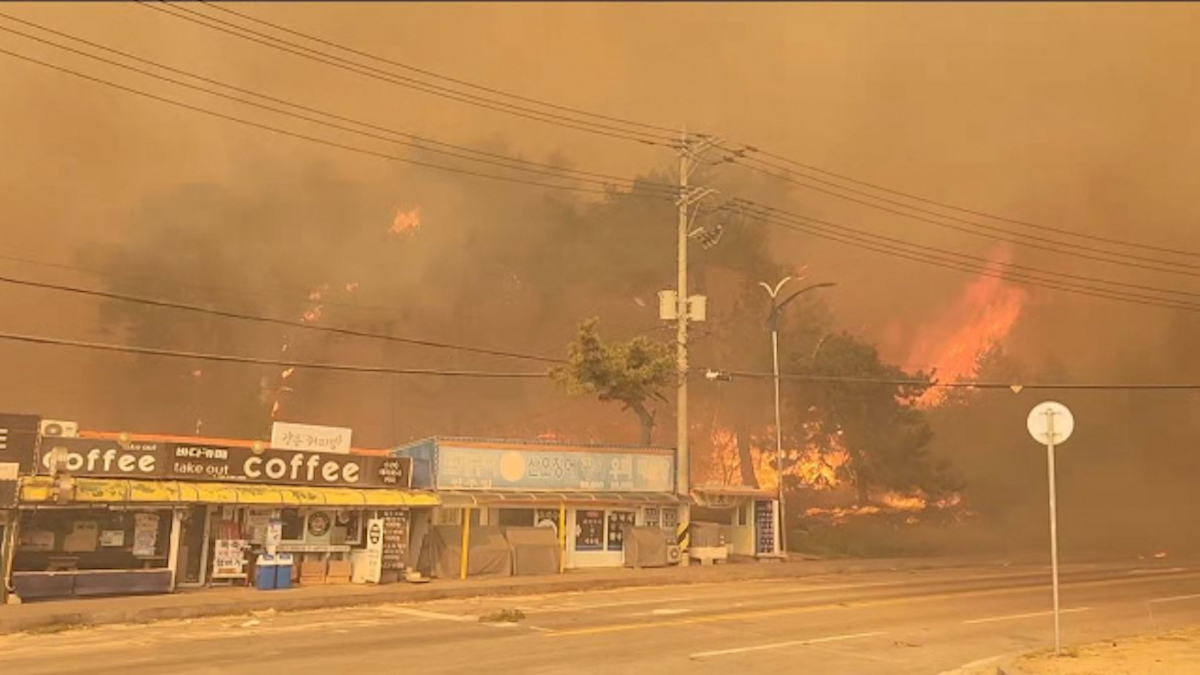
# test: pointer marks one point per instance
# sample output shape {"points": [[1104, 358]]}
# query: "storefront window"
{"points": [[293, 525], [93, 539], [618, 521], [516, 518], [589, 531]]}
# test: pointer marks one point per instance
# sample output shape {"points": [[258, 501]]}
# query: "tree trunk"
{"points": [[647, 419], [745, 458]]}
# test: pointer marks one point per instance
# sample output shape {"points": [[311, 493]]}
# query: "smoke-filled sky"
{"points": [[1075, 116]]}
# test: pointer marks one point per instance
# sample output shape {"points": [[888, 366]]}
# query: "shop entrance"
{"points": [[192, 546]]}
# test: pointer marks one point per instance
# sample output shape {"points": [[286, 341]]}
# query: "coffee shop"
{"points": [[114, 514]]}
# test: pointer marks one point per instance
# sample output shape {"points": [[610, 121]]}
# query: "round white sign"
{"points": [[1051, 423]]}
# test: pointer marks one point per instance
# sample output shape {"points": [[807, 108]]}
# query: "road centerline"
{"points": [[781, 645]]}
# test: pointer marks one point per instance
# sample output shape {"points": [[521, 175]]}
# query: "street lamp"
{"points": [[773, 324]]}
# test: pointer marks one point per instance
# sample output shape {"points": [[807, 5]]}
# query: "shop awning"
{"points": [[463, 498], [40, 490]]}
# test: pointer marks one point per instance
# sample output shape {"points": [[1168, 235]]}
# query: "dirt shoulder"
{"points": [[1173, 653]]}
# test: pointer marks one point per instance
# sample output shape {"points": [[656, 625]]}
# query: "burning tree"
{"points": [[631, 372], [879, 428]]}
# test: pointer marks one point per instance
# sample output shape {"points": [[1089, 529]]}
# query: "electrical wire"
{"points": [[981, 214], [398, 137], [950, 263], [742, 151], [1073, 250], [312, 139], [934, 384], [166, 304], [979, 259], [272, 42], [229, 358], [429, 73]]}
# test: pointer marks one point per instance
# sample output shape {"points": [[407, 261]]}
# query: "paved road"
{"points": [[886, 622]]}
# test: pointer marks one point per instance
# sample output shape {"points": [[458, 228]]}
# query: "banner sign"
{"points": [[18, 439], [185, 461], [484, 468], [374, 571], [289, 436]]}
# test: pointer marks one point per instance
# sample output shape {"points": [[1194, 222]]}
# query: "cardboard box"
{"points": [[339, 572], [313, 572]]}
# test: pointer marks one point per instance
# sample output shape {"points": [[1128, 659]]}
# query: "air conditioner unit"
{"points": [[674, 554], [59, 429]]}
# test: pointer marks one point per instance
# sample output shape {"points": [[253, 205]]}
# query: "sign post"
{"points": [[1050, 424], [374, 573]]}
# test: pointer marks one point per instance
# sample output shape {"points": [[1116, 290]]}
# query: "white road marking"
{"points": [[667, 611], [1159, 571], [780, 645], [424, 614], [1176, 598], [1012, 617]]}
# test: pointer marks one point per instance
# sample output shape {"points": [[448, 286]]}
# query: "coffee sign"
{"points": [[88, 457], [188, 461]]}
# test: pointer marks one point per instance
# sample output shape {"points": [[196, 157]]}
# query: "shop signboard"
{"points": [[9, 472], [291, 436], [97, 457], [229, 559], [395, 539], [603, 471], [187, 461], [374, 572], [18, 440]]}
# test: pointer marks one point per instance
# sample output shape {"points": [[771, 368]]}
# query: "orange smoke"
{"points": [[983, 316], [406, 221]]}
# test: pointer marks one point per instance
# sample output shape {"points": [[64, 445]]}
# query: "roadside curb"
{"points": [[35, 616], [1001, 664]]}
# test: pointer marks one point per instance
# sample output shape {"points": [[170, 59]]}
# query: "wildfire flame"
{"points": [[406, 221], [986, 311]]}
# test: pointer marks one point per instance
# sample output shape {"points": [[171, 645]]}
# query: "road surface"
{"points": [[885, 622]]}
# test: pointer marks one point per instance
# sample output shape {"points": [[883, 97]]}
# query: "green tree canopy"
{"points": [[633, 373], [884, 434]]}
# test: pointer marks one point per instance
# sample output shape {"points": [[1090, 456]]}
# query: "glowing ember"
{"points": [[351, 286], [312, 314], [985, 313], [287, 373], [275, 408], [899, 502], [1160, 555], [406, 221], [197, 373]]}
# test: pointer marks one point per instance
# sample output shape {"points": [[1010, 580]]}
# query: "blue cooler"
{"points": [[265, 572], [283, 570]]}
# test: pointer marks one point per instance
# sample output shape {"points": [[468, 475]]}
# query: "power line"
{"points": [[403, 81], [982, 214], [915, 382], [312, 139], [949, 263], [166, 304], [399, 137], [229, 358], [428, 73], [413, 141], [742, 151], [986, 261], [1123, 259]]}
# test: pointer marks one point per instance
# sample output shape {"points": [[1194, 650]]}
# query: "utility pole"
{"points": [[690, 149], [682, 458]]}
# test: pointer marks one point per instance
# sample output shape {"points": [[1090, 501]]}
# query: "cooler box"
{"points": [[283, 570], [265, 571]]}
